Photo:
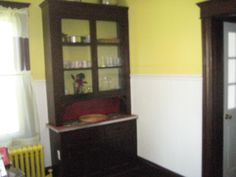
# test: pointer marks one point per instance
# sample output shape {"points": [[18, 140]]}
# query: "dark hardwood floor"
{"points": [[142, 172], [144, 168]]}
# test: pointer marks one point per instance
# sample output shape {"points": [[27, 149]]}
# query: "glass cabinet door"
{"points": [[110, 70], [77, 62]]}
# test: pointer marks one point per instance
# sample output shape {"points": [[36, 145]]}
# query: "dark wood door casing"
{"points": [[212, 99], [213, 15]]}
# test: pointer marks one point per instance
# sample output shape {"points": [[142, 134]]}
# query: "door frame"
{"points": [[213, 14]]}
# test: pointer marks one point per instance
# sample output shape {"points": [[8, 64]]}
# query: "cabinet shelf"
{"points": [[102, 94], [114, 92], [108, 43], [80, 96], [82, 44], [110, 67], [75, 69]]}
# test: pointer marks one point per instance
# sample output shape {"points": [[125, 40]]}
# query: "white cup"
{"points": [[84, 63], [89, 63]]}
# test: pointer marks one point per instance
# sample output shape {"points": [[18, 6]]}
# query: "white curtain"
{"points": [[18, 116]]}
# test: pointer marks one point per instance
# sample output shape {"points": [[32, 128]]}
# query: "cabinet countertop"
{"points": [[76, 125]]}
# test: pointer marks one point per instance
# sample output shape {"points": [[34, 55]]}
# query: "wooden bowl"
{"points": [[92, 118]]}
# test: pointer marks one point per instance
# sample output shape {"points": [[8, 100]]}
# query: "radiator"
{"points": [[30, 160]]}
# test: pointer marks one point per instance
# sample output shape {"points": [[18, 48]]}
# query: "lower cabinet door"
{"points": [[76, 165], [95, 161], [105, 149]]}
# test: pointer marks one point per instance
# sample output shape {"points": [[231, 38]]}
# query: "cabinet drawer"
{"points": [[82, 140], [120, 129], [73, 147], [86, 134], [76, 136]]}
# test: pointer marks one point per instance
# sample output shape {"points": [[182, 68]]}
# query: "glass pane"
{"points": [[78, 82], [231, 44], [108, 56], [231, 71], [107, 32], [74, 31], [110, 79], [76, 54], [77, 57], [231, 96]]}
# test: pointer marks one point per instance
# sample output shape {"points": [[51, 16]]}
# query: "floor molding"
{"points": [[158, 170]]}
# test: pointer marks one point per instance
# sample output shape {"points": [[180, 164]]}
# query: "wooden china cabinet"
{"points": [[87, 72]]}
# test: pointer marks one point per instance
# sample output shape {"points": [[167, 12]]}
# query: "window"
{"points": [[16, 99], [231, 60]]}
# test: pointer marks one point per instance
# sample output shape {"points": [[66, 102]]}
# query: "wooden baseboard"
{"points": [[149, 168], [156, 169]]}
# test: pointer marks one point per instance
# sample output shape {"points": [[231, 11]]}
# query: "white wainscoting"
{"points": [[170, 121], [169, 124], [39, 87]]}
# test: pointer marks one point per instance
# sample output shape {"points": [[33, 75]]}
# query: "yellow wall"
{"points": [[165, 37]]}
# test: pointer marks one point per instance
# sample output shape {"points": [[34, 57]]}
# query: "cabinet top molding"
{"points": [[105, 12], [83, 4], [217, 8]]}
